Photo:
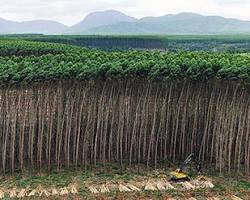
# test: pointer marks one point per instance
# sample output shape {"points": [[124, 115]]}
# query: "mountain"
{"points": [[112, 22], [36, 26], [102, 18], [183, 23]]}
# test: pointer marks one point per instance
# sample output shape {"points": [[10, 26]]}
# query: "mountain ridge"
{"points": [[113, 22], [32, 26], [102, 18], [182, 23]]}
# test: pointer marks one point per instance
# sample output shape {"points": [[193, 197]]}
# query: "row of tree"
{"points": [[76, 124]]}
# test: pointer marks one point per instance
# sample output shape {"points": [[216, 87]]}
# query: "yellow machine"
{"points": [[181, 173], [178, 175]]}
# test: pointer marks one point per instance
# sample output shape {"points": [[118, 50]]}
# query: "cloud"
{"points": [[72, 11], [67, 11], [228, 2]]}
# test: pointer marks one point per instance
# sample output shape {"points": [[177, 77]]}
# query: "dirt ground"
{"points": [[105, 184]]}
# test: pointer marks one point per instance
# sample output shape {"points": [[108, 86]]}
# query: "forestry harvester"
{"points": [[181, 173]]}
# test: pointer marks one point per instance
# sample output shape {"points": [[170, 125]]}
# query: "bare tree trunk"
{"points": [[153, 129]]}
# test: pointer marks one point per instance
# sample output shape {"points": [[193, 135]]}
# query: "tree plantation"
{"points": [[213, 43], [63, 106]]}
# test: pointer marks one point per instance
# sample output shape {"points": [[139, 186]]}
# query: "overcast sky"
{"points": [[72, 11]]}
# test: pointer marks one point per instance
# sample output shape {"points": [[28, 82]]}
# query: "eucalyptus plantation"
{"points": [[63, 106]]}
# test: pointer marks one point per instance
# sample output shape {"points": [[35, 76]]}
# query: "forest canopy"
{"points": [[26, 61]]}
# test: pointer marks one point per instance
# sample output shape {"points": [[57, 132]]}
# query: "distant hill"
{"points": [[103, 18], [112, 22], [183, 23], [36, 26]]}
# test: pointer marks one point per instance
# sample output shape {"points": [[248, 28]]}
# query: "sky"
{"points": [[70, 12]]}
